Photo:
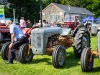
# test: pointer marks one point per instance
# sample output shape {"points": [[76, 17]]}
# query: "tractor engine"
{"points": [[54, 40], [66, 41]]}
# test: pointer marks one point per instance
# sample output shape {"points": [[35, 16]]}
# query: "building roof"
{"points": [[72, 9]]}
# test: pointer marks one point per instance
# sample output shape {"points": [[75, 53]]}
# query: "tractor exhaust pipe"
{"points": [[41, 15]]}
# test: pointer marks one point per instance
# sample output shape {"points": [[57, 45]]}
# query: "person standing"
{"points": [[29, 24], [22, 22], [39, 23], [44, 23], [17, 39]]}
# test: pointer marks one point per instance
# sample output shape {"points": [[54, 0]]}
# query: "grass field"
{"points": [[42, 65]]}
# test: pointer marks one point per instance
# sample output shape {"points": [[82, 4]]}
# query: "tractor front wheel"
{"points": [[25, 54], [59, 56], [86, 60]]}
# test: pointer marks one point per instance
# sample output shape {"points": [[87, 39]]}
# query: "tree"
{"points": [[94, 6], [27, 8], [30, 8]]}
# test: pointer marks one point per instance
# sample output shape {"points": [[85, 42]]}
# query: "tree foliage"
{"points": [[27, 8], [30, 8], [93, 6]]}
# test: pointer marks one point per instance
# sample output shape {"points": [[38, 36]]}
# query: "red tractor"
{"points": [[71, 21], [4, 34], [25, 47]]}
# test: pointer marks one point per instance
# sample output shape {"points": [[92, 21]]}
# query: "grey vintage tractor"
{"points": [[87, 56], [55, 41]]}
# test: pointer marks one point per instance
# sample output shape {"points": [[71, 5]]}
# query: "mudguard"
{"points": [[4, 29], [65, 31]]}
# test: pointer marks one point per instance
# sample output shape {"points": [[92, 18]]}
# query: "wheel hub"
{"points": [[61, 57], [84, 42]]}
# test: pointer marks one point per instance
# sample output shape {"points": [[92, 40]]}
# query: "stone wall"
{"points": [[52, 10]]}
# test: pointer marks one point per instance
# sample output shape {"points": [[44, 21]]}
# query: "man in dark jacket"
{"points": [[29, 24]]}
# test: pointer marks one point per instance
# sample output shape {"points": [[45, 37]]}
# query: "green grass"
{"points": [[42, 65]]}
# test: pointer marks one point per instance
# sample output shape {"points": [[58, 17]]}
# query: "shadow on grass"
{"points": [[47, 60], [96, 69], [71, 60]]}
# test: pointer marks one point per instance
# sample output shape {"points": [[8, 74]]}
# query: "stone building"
{"points": [[56, 12]]}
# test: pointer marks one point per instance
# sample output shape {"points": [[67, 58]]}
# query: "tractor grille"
{"points": [[36, 39]]}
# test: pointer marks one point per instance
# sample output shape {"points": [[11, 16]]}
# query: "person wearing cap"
{"points": [[29, 24]]}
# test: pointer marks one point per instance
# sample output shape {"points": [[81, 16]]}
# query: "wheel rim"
{"points": [[85, 41], [61, 57], [7, 51], [27, 53], [89, 64], [28, 56]]}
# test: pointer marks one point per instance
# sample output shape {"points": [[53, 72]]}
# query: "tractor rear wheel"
{"points": [[5, 51], [86, 60], [59, 56], [25, 54], [81, 40]]}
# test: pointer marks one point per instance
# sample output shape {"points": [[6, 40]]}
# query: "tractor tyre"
{"points": [[25, 54], [1, 37], [81, 40], [5, 51], [59, 56], [86, 60]]}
